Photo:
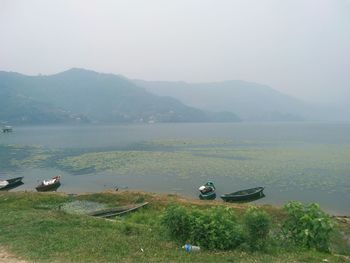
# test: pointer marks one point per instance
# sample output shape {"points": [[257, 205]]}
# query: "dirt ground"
{"points": [[6, 257]]}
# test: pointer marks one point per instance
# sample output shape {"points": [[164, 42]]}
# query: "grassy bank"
{"points": [[35, 228]]}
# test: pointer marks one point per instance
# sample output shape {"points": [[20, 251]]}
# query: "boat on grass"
{"points": [[207, 191], [49, 185], [117, 211], [10, 183], [245, 195]]}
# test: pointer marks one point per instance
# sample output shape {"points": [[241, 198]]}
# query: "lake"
{"points": [[308, 162]]}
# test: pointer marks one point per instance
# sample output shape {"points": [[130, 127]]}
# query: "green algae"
{"points": [[324, 166], [306, 166]]}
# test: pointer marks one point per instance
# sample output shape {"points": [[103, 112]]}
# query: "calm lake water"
{"points": [[331, 188]]}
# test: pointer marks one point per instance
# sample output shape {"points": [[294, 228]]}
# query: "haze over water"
{"points": [[270, 49]]}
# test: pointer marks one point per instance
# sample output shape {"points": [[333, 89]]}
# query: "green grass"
{"points": [[33, 227]]}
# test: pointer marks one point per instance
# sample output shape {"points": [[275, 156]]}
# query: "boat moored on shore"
{"points": [[207, 191], [10, 183], [49, 185], [244, 195]]}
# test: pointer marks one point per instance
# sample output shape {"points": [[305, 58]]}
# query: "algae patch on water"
{"points": [[18, 156], [323, 166]]}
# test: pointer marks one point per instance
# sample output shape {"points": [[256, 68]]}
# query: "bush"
{"points": [[178, 221], [307, 226], [257, 225], [215, 228]]}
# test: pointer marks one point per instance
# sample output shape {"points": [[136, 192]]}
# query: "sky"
{"points": [[298, 47]]}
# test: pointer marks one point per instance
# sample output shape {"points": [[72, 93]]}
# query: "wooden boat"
{"points": [[207, 191], [117, 211], [49, 185], [244, 195], [10, 183]]}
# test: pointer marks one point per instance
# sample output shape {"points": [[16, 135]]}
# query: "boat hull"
{"points": [[244, 195], [6, 130], [46, 188], [117, 211], [209, 196], [12, 183]]}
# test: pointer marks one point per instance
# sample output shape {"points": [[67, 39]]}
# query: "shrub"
{"points": [[215, 228], [257, 225], [307, 226], [178, 221]]}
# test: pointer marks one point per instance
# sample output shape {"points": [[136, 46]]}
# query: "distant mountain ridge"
{"points": [[250, 101], [79, 95]]}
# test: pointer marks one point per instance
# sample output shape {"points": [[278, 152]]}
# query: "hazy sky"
{"points": [[299, 47]]}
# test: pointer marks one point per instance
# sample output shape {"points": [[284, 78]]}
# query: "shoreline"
{"points": [[183, 198]]}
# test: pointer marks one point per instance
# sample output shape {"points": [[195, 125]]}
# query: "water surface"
{"points": [[309, 162]]}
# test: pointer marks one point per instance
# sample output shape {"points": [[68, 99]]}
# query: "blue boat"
{"points": [[207, 191]]}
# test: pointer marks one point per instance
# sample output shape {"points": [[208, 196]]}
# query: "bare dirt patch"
{"points": [[6, 257]]}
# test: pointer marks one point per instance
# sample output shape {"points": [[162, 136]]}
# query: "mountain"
{"points": [[16, 107], [87, 96], [250, 101]]}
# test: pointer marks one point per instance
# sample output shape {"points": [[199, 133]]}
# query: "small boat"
{"points": [[10, 183], [49, 185], [207, 191], [117, 211], [244, 195], [7, 129]]}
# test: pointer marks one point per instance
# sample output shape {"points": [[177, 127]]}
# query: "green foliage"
{"points": [[178, 221], [215, 228], [146, 217], [257, 225], [28, 232], [308, 226]]}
